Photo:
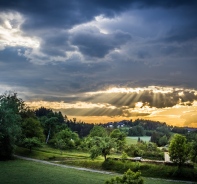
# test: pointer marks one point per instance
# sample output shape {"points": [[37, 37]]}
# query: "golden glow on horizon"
{"points": [[154, 89], [182, 113], [63, 105]]}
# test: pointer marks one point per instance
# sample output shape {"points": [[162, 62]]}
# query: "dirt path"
{"points": [[65, 166], [93, 170]]}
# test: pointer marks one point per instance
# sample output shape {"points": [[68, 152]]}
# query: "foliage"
{"points": [[151, 170], [101, 146], [129, 177], [163, 141], [98, 131], [136, 131], [32, 128], [124, 156], [120, 138], [193, 151], [178, 149], [146, 150], [31, 142], [65, 139], [52, 122], [10, 120]]}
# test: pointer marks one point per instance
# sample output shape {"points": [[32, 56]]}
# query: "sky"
{"points": [[101, 60]]}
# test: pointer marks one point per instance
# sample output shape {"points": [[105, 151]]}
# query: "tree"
{"points": [[10, 123], [193, 151], [31, 142], [163, 141], [178, 149], [101, 146], [120, 138], [32, 128], [66, 139], [49, 126], [124, 156], [136, 131], [129, 177], [98, 131]]}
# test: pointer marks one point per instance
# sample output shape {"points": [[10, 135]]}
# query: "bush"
{"points": [[129, 177], [151, 170]]}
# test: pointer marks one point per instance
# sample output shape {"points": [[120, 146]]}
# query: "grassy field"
{"points": [[28, 172], [133, 140]]}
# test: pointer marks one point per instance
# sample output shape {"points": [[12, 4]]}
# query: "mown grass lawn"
{"points": [[29, 172], [134, 139]]}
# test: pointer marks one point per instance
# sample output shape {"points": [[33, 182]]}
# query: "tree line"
{"points": [[21, 126]]}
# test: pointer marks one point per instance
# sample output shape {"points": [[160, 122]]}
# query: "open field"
{"points": [[134, 139], [28, 172]]}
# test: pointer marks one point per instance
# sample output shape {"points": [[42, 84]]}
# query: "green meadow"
{"points": [[29, 172]]}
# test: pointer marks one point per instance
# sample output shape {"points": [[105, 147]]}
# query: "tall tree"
{"points": [[193, 151], [178, 149], [10, 123], [120, 138], [101, 146], [98, 131], [66, 139], [32, 128]]}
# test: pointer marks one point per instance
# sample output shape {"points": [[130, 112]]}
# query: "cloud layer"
{"points": [[60, 50]]}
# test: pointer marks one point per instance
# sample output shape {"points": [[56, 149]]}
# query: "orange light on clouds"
{"points": [[178, 113]]}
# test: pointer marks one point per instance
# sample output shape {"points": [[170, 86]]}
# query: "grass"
{"points": [[48, 153], [68, 157], [28, 172], [81, 159], [134, 139]]}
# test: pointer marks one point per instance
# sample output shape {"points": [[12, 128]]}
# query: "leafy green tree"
{"points": [[129, 177], [32, 128], [120, 138], [193, 151], [31, 142], [178, 149], [136, 131], [163, 141], [101, 146], [66, 139], [50, 125], [60, 144], [10, 123], [124, 156], [52, 122], [98, 131]]}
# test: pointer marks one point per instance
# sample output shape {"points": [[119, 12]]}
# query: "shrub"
{"points": [[129, 177]]}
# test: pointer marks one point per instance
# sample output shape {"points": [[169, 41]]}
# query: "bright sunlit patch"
{"points": [[11, 33], [94, 25], [63, 105], [154, 89], [138, 104]]}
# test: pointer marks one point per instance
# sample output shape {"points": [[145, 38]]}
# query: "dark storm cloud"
{"points": [[47, 13], [55, 43], [96, 44], [100, 112], [92, 112], [147, 97], [156, 45]]}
